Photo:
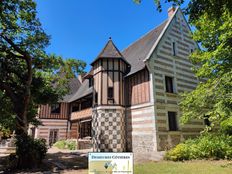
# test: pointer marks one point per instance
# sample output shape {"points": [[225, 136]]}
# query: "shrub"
{"points": [[66, 144], [226, 126], [206, 146], [71, 145], [60, 144], [30, 152]]}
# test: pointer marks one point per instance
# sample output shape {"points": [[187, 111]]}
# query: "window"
{"points": [[75, 107], [206, 120], [169, 84], [90, 82], [55, 108], [86, 104], [173, 48], [96, 98], [85, 128], [191, 50], [172, 121], [110, 93]]}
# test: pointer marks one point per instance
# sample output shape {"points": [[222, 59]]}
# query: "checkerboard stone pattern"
{"points": [[108, 130]]}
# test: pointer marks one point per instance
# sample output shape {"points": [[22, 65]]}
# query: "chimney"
{"points": [[171, 11]]}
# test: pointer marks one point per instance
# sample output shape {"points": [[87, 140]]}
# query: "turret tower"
{"points": [[108, 123]]}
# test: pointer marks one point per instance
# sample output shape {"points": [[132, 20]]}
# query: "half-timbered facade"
{"points": [[129, 99]]}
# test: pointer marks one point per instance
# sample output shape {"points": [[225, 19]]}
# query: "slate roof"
{"points": [[134, 55], [83, 91], [74, 84], [110, 51], [137, 52]]}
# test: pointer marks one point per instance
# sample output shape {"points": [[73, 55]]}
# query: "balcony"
{"points": [[85, 113]]}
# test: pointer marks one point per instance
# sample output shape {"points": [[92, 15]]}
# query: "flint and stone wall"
{"points": [[141, 132]]}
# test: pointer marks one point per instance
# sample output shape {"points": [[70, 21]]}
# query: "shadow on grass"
{"points": [[53, 163]]}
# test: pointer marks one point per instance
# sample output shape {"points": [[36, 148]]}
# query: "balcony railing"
{"points": [[85, 113]]}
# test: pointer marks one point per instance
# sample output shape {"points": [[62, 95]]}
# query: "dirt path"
{"points": [[60, 161]]}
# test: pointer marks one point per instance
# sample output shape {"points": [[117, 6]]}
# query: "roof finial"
{"points": [[110, 38]]}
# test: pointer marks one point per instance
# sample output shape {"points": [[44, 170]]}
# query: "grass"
{"points": [[168, 167], [191, 167]]}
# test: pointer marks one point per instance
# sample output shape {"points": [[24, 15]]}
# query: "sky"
{"points": [[80, 28]]}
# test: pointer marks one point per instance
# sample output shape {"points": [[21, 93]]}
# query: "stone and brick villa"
{"points": [[129, 99]]}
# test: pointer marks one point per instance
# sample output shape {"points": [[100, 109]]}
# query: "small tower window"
{"points": [[172, 121], [55, 108], [96, 98], [174, 48], [90, 82], [110, 93], [169, 84]]}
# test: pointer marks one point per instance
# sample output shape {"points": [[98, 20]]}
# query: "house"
{"points": [[129, 99]]}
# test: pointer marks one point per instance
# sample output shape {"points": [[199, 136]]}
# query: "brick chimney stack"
{"points": [[171, 11]]}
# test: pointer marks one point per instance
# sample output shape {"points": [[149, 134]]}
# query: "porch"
{"points": [[81, 128]]}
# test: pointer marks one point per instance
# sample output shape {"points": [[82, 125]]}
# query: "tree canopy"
{"points": [[213, 96], [27, 72], [28, 75]]}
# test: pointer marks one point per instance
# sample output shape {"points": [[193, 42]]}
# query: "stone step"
{"points": [[7, 150]]}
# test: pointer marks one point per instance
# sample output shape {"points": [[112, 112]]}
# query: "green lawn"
{"points": [[192, 167]]}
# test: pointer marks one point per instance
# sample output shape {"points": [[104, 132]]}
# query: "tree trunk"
{"points": [[21, 143]]}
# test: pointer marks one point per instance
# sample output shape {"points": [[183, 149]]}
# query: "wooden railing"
{"points": [[85, 113]]}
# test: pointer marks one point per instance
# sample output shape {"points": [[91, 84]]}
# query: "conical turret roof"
{"points": [[110, 51]]}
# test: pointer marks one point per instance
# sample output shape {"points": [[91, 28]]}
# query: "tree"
{"points": [[28, 75], [212, 98]]}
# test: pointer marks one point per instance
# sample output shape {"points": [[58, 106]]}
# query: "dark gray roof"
{"points": [[84, 90], [110, 51], [137, 52], [133, 55], [74, 84]]}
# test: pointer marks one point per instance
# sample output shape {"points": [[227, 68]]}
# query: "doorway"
{"points": [[53, 136]]}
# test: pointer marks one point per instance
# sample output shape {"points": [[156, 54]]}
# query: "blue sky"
{"points": [[80, 28]]}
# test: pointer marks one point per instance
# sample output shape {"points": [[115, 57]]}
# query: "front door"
{"points": [[53, 136]]}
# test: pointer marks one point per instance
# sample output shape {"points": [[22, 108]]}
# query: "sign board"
{"points": [[110, 163]]}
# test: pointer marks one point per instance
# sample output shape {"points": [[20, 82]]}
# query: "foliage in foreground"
{"points": [[212, 97], [206, 146], [33, 150], [29, 76], [66, 144]]}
